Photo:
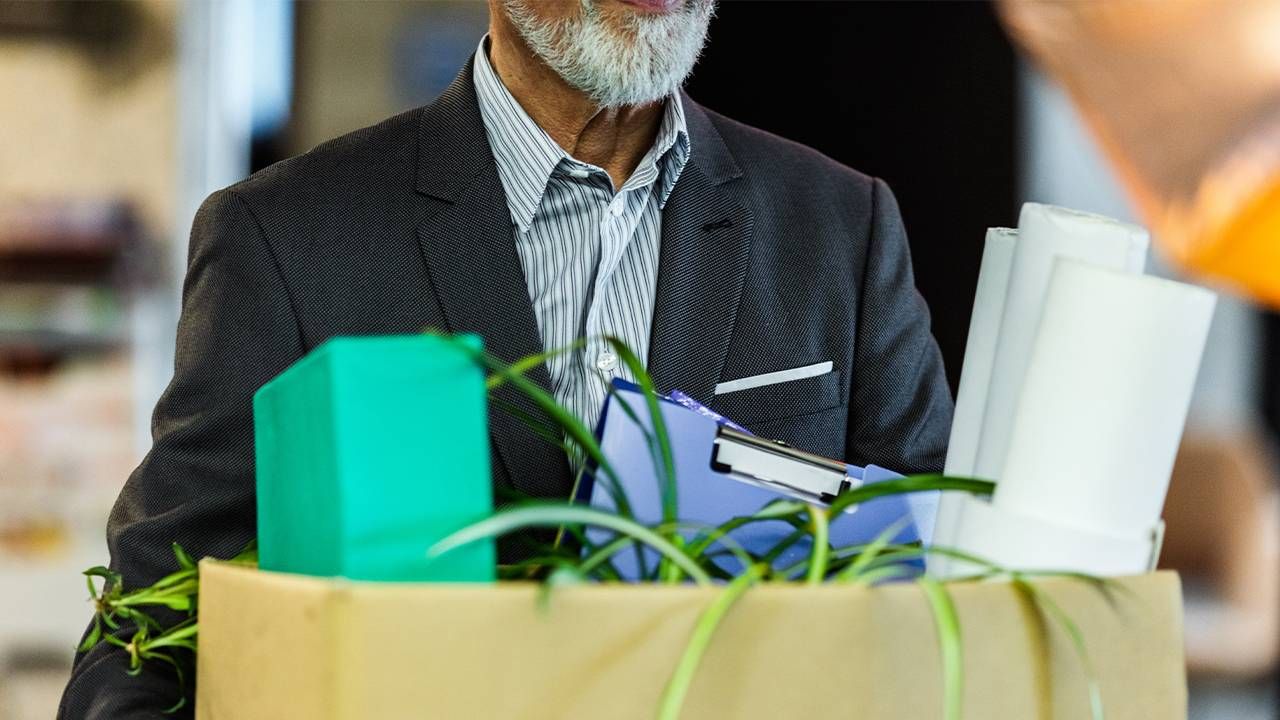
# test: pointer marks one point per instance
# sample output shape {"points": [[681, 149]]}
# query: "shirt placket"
{"points": [[617, 229]]}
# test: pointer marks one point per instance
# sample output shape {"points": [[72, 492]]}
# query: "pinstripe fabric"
{"points": [[590, 255]]}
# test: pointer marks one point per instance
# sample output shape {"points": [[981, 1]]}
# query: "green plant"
{"points": [[127, 619], [685, 552]]}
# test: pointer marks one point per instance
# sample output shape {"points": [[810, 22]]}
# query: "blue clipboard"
{"points": [[708, 498]]}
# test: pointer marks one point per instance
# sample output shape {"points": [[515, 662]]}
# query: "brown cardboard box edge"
{"points": [[274, 646]]}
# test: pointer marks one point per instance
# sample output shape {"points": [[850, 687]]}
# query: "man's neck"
{"points": [[614, 139]]}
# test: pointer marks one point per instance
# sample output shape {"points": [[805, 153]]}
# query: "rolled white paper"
{"points": [[980, 350], [1101, 412], [1017, 542], [1045, 233], [975, 376]]}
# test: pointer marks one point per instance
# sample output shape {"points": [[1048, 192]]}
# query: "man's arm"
{"points": [[196, 486], [900, 410]]}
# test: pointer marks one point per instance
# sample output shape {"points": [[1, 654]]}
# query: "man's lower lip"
{"points": [[653, 5]]}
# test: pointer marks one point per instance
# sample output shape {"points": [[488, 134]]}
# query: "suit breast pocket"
{"points": [[780, 400]]}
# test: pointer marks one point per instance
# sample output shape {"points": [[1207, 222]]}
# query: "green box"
{"points": [[369, 450]]}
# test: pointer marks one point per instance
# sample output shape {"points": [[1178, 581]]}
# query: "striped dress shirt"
{"points": [[589, 253]]}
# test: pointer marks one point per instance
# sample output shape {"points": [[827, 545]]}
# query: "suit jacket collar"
{"points": [[466, 240]]}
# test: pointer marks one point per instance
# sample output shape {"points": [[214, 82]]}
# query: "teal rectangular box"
{"points": [[369, 450]]}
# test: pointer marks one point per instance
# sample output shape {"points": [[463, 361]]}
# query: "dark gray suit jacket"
{"points": [[772, 257]]}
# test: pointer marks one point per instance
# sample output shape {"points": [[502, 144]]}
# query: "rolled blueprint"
{"points": [[1018, 542], [1102, 407], [975, 377], [1045, 233], [980, 350]]}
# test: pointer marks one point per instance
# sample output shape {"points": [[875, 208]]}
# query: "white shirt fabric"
{"points": [[590, 254]]}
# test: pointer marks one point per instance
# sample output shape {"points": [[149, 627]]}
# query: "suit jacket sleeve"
{"points": [[900, 409], [196, 486]]}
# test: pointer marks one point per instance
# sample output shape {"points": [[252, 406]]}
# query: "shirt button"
{"points": [[615, 208], [578, 172], [606, 361]]}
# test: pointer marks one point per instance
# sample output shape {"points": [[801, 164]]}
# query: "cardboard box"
{"points": [[282, 646], [368, 450]]}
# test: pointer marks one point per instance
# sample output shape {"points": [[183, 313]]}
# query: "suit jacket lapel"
{"points": [[476, 273], [702, 264]]}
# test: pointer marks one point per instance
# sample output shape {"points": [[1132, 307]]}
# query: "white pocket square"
{"points": [[774, 378]]}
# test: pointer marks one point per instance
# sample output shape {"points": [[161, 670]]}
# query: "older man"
{"points": [[562, 187]]}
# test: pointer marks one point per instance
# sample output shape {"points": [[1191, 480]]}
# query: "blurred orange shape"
{"points": [[1184, 97]]}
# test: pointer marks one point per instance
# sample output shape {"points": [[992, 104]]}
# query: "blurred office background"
{"points": [[117, 117]]}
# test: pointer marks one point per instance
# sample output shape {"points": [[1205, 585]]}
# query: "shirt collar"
{"points": [[526, 155]]}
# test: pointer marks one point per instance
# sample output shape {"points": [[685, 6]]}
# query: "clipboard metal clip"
{"points": [[774, 465]]}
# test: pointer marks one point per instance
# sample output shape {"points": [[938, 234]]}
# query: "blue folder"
{"points": [[708, 498]]}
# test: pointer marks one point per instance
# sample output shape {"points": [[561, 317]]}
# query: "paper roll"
{"points": [[1102, 407], [1045, 233], [1017, 542], [980, 350], [975, 376]]}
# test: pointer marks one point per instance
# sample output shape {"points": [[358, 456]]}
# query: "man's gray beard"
{"points": [[644, 62]]}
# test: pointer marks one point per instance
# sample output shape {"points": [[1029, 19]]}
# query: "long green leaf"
{"points": [[1050, 607], [678, 685], [783, 545], [583, 438], [553, 514], [950, 645], [821, 545], [666, 467], [526, 364], [659, 448], [909, 484], [617, 402], [864, 558], [776, 510]]}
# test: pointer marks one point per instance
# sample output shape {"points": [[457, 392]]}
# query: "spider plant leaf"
{"points": [[666, 488], [182, 702], [677, 687], [248, 555], [888, 572], [783, 545], [730, 546], [95, 634], [664, 460], [909, 484], [601, 555], [573, 497], [1049, 607], [181, 635], [784, 510], [114, 640], [780, 508], [184, 560], [110, 578], [552, 514], [529, 421], [582, 437], [526, 364], [950, 645], [182, 682], [821, 552], [873, 549]]}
